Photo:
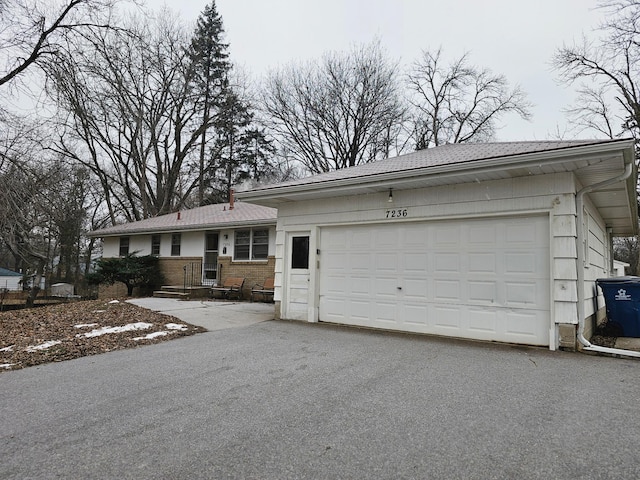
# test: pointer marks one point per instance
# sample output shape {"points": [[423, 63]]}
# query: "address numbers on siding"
{"points": [[397, 213]]}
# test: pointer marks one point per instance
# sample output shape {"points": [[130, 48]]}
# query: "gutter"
{"points": [[386, 178], [587, 345]]}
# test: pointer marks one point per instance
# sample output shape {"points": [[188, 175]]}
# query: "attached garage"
{"points": [[497, 242], [484, 278]]}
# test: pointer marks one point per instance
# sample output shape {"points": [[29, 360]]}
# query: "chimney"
{"points": [[231, 199], [178, 215]]}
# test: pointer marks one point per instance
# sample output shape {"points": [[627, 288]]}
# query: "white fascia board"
{"points": [[451, 170], [176, 229]]}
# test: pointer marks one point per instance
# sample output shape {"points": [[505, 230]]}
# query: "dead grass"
{"points": [[62, 332]]}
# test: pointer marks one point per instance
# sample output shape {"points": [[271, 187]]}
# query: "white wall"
{"points": [[192, 243], [10, 283], [551, 194]]}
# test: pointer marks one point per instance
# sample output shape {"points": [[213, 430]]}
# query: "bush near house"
{"points": [[133, 271]]}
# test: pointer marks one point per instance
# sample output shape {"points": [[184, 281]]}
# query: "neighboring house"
{"points": [[10, 280], [619, 268], [496, 241], [200, 246]]}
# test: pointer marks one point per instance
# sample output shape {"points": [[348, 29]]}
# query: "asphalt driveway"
{"points": [[278, 400]]}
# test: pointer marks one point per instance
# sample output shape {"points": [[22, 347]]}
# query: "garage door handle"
{"points": [[399, 288]]}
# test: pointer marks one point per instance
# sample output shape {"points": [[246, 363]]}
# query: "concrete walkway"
{"points": [[210, 314]]}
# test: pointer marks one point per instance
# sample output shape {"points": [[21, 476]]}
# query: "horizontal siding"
{"points": [[548, 193]]}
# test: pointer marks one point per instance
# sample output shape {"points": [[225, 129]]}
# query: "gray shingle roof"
{"points": [[207, 217], [444, 155]]}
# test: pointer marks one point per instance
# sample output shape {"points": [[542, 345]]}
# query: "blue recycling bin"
{"points": [[622, 300]]}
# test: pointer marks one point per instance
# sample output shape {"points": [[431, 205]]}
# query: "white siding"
{"points": [[553, 195], [191, 243], [10, 282]]}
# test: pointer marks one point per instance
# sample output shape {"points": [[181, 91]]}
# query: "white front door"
{"points": [[297, 289], [483, 278]]}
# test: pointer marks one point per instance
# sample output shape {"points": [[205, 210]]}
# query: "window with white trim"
{"points": [[124, 246], [251, 244], [155, 244]]}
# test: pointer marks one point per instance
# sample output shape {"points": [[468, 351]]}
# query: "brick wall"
{"points": [[253, 272], [173, 268]]}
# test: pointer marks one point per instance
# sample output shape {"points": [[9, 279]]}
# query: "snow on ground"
{"points": [[7, 349], [42, 346], [176, 326], [6, 365], [150, 336], [125, 328], [86, 325]]}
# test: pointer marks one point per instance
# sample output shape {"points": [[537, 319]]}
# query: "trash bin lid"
{"points": [[618, 280]]}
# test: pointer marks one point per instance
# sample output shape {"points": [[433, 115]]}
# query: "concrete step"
{"points": [[171, 294]]}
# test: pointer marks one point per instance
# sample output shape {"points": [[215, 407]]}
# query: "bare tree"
{"points": [[458, 102], [133, 117], [338, 112], [34, 31], [608, 71]]}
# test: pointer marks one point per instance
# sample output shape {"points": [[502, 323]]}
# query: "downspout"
{"points": [[588, 346]]}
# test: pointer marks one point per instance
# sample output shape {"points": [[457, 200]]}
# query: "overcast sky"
{"points": [[514, 37]]}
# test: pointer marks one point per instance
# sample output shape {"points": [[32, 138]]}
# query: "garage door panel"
{"points": [[360, 286], [385, 313], [359, 262], [446, 318], [447, 262], [482, 263], [415, 315], [481, 320], [481, 234], [522, 294], [481, 278], [520, 262], [484, 292], [447, 236], [447, 290], [360, 310], [415, 287], [415, 262]]}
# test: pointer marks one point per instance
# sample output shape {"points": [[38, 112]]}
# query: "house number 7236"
{"points": [[400, 213]]}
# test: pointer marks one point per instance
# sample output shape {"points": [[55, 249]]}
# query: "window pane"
{"points": [[212, 242], [300, 252], [155, 244], [241, 244], [124, 246], [260, 245], [175, 245]]}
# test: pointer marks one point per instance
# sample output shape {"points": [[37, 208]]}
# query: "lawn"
{"points": [[61, 332]]}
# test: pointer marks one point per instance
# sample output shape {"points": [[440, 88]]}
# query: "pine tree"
{"points": [[210, 68]]}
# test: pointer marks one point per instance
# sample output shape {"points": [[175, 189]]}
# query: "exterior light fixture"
{"points": [[390, 195]]}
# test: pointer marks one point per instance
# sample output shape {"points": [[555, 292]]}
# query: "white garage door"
{"points": [[485, 279]]}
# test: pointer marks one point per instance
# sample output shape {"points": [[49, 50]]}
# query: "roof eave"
{"points": [[177, 229], [270, 196]]}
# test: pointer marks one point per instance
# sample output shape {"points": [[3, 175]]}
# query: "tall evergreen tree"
{"points": [[210, 69]]}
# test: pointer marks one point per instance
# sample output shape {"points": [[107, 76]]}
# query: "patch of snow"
{"points": [[6, 365], [85, 325], [152, 335], [113, 302], [7, 349], [98, 311], [176, 326], [126, 328], [42, 346]]}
